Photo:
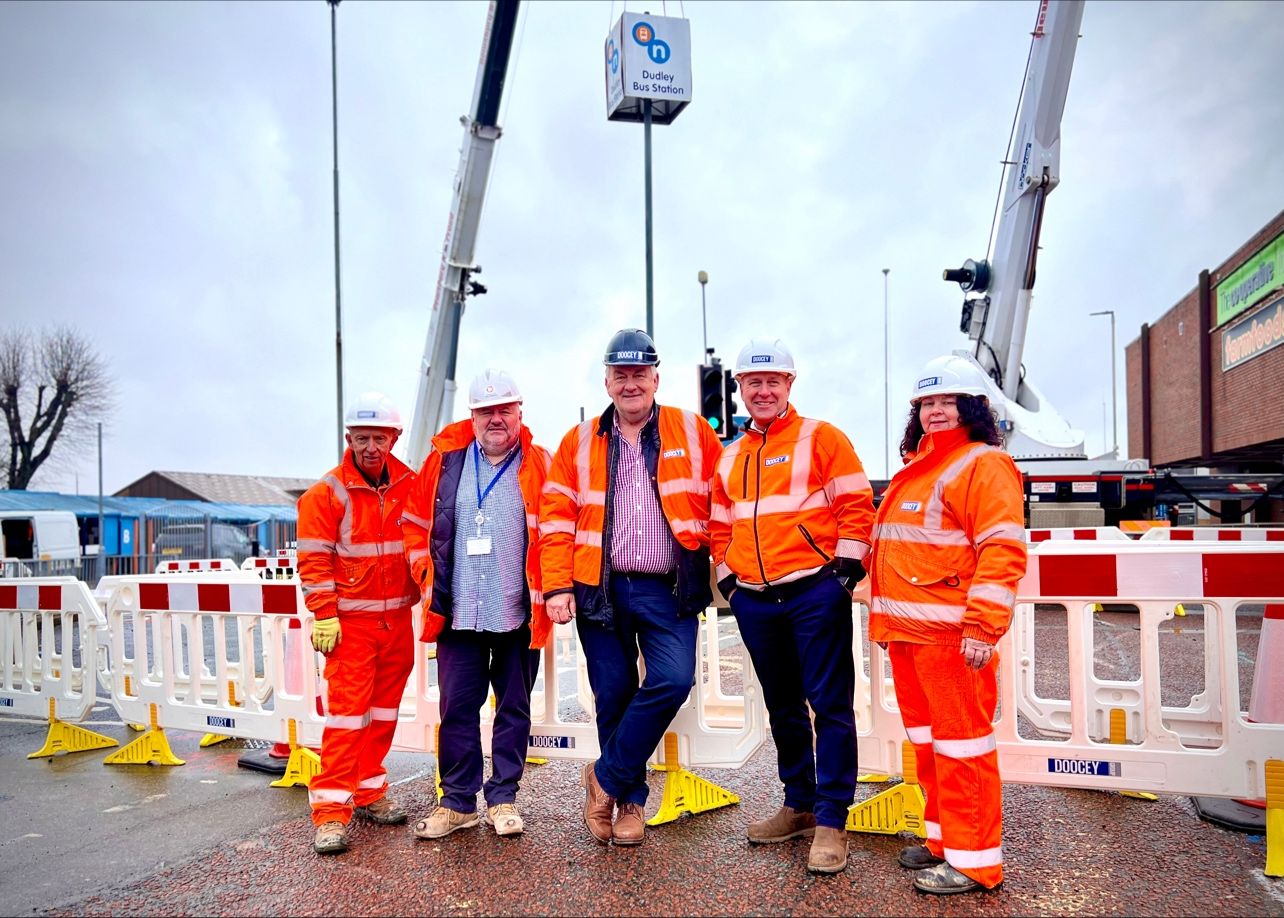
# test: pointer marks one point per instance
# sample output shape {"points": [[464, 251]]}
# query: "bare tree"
{"points": [[62, 385]]}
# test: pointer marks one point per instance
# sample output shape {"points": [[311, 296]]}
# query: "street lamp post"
{"points": [[1114, 388], [338, 310], [887, 424], [703, 278]]}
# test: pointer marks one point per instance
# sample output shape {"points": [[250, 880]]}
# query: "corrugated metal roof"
{"points": [[254, 490], [87, 505]]}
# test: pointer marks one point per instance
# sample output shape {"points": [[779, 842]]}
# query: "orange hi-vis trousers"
{"points": [[365, 676], [948, 712]]}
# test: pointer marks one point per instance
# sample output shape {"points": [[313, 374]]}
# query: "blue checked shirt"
{"points": [[489, 591]]}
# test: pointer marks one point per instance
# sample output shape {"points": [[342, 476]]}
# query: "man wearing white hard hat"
{"points": [[473, 547], [790, 528], [357, 585]]}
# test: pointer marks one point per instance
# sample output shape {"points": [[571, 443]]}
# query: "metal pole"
{"points": [[887, 423], [102, 544], [646, 143], [1114, 388], [338, 310], [703, 278]]}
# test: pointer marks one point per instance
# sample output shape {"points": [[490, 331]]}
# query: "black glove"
{"points": [[850, 572], [727, 586]]}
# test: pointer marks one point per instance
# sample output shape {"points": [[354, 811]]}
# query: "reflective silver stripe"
{"points": [[1003, 531], [801, 474], [417, 554], [696, 526], [597, 498], [908, 532], [695, 457], [919, 611], [326, 795], [371, 549], [341, 495], [549, 527], [383, 714], [321, 545], [720, 513], [585, 537], [781, 503], [993, 592], [965, 748], [537, 598], [532, 521], [788, 578], [326, 586], [933, 829], [374, 782], [851, 548], [560, 489], [935, 510], [683, 486], [722, 571], [919, 735], [728, 459], [986, 857], [847, 484], [347, 721], [582, 455], [375, 605], [417, 520]]}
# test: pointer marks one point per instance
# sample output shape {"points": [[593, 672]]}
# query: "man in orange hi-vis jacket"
{"points": [[356, 582], [792, 511], [949, 551], [625, 552]]}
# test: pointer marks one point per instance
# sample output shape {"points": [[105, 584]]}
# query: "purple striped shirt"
{"points": [[641, 541]]}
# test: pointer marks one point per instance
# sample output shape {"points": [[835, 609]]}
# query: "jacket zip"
{"points": [[757, 494]]}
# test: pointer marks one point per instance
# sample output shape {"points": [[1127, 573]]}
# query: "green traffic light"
{"points": [[715, 423]]}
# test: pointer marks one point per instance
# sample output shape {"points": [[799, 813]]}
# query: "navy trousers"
{"points": [[468, 663], [800, 642], [632, 718]]}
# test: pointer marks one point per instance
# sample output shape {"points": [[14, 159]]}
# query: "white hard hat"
{"points": [[492, 387], [950, 375], [373, 409], [765, 355]]}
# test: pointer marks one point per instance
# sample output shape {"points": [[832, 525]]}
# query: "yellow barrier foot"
{"points": [[873, 779], [898, 808], [302, 766], [1274, 818], [1139, 795], [211, 739], [64, 737], [150, 748], [685, 792], [137, 728], [535, 760]]}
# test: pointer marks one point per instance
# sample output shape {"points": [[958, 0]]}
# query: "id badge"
{"points": [[479, 546]]}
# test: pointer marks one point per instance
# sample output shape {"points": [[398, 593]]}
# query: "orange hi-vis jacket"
{"points": [[428, 549], [949, 544], [573, 508], [351, 557], [788, 501]]}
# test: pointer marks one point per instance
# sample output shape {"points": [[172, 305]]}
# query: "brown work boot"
{"points": [[598, 805], [630, 825], [383, 811], [828, 851], [787, 823], [331, 838]]}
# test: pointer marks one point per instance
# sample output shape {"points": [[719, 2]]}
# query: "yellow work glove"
{"points": [[325, 634]]}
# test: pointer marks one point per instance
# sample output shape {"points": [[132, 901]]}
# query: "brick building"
{"points": [[1206, 380]]}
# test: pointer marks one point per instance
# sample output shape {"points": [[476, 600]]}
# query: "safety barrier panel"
{"points": [[1213, 534], [49, 631], [234, 628], [1142, 748], [278, 567], [196, 566], [1091, 534]]}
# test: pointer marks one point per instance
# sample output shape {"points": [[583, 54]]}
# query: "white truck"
{"points": [[37, 542]]}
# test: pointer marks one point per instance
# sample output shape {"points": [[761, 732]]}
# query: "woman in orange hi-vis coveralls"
{"points": [[949, 550], [356, 582]]}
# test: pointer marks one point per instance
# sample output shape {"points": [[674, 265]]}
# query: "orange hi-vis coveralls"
{"points": [[949, 551], [352, 563]]}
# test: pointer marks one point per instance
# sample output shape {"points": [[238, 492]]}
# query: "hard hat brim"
{"points": [[498, 400]]}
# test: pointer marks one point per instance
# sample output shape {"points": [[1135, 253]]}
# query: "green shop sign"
{"points": [[1254, 335], [1251, 281]]}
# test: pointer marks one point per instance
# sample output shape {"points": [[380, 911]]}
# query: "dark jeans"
{"points": [[468, 663], [631, 720], [800, 642]]}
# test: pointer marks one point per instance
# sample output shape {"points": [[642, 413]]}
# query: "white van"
{"points": [[39, 535]]}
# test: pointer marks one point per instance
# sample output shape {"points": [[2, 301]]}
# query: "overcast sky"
{"points": [[165, 172]]}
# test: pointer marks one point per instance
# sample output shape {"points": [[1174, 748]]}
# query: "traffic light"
{"points": [[729, 404], [712, 404]]}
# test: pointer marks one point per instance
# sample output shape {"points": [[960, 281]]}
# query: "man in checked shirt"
{"points": [[624, 550]]}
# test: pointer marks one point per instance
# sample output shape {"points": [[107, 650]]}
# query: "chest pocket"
{"points": [[919, 570]]}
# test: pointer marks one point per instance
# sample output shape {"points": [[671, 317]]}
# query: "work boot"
{"points": [[331, 838], [944, 880], [383, 811], [443, 821], [787, 823], [917, 857], [505, 818], [598, 805], [630, 825], [828, 851]]}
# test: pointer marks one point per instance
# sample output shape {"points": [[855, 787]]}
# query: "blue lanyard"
{"points": [[482, 495]]}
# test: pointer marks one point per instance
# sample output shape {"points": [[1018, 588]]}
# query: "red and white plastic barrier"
{"points": [[1266, 704], [1213, 534], [196, 566], [1091, 534]]}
